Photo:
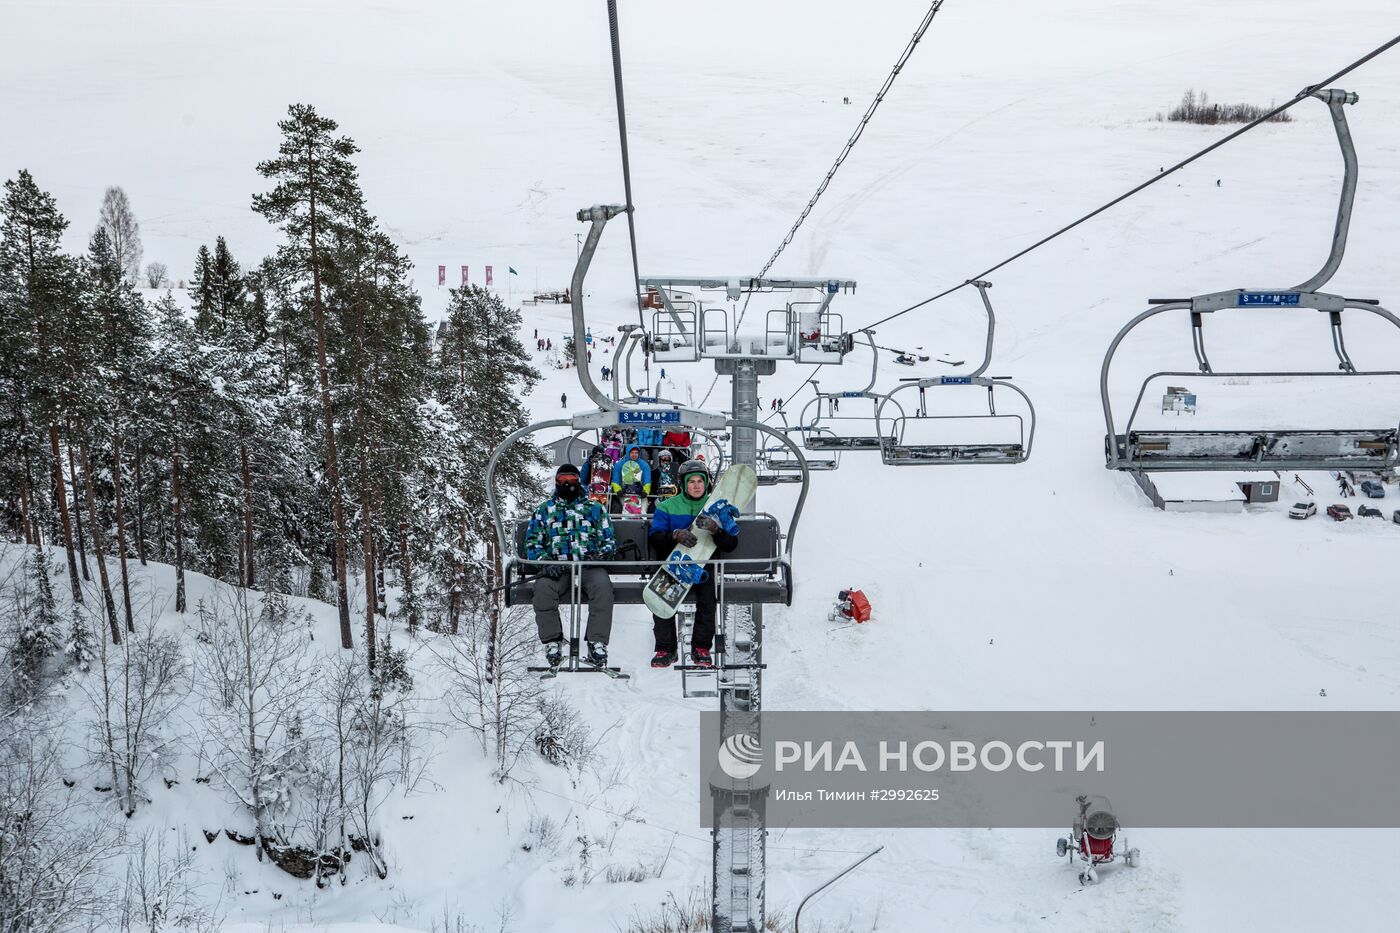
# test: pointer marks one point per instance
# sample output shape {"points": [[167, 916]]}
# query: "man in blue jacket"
{"points": [[670, 526], [632, 471]]}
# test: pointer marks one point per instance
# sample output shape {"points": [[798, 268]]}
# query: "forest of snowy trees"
{"points": [[296, 428]]}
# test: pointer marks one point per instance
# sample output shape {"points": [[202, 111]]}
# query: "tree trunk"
{"points": [[249, 577], [371, 601], [410, 599], [24, 517], [63, 511], [178, 507], [140, 505], [77, 512], [121, 518], [160, 523], [98, 551], [251, 700], [459, 580], [347, 638]]}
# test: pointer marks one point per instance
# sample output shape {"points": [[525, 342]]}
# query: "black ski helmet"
{"points": [[691, 467]]}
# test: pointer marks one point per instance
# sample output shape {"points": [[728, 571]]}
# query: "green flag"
{"points": [[512, 271]]}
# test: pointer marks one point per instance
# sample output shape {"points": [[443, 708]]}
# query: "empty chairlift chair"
{"points": [[934, 438], [1320, 447]]}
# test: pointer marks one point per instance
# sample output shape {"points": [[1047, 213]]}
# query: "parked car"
{"points": [[1340, 512], [1367, 512], [1372, 489], [1303, 510]]}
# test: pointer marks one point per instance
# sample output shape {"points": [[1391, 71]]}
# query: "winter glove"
{"points": [[706, 522], [552, 572], [684, 537]]}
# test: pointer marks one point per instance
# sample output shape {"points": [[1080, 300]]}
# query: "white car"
{"points": [[1303, 510]]}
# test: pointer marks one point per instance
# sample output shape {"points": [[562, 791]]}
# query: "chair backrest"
{"points": [[758, 540]]}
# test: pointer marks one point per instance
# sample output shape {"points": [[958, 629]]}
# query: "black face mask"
{"points": [[568, 491]]}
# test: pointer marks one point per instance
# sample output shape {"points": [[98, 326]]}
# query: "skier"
{"points": [[568, 527], [670, 526], [632, 470], [663, 372], [548, 344], [537, 333], [563, 400], [774, 406], [663, 474]]}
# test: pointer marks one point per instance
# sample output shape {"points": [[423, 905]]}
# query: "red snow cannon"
{"points": [[851, 604]]}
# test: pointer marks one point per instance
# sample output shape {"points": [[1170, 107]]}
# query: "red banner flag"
{"points": [[442, 275], [488, 275], [464, 275]]}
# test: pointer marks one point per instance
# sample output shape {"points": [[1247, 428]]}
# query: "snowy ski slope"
{"points": [[484, 127]]}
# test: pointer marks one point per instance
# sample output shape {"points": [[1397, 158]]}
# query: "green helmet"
{"points": [[692, 467]]}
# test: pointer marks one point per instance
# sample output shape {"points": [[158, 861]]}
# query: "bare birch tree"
{"points": [[123, 231]]}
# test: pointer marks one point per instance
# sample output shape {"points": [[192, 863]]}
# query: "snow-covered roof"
{"points": [[1207, 486]]}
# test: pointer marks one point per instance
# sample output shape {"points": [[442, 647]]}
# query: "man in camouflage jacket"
{"points": [[567, 527]]}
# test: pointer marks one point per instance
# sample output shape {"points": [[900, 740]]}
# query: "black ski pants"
{"points": [[703, 633], [597, 590]]}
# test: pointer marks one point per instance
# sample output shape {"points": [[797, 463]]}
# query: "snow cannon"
{"points": [[850, 604], [1093, 839]]}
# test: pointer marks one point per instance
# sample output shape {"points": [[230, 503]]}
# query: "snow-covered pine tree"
{"points": [[315, 190], [37, 287], [481, 374], [201, 292]]}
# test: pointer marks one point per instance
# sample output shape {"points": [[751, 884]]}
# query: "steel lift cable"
{"points": [[1302, 95], [626, 163]]}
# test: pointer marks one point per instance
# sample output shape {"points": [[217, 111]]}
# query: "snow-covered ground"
{"points": [[484, 127]]}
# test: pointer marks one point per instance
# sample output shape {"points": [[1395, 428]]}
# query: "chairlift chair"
{"points": [[824, 431], [759, 570], [897, 449], [1250, 448]]}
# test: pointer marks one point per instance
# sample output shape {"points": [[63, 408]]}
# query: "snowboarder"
{"points": [[632, 470], [773, 406], [537, 333], [548, 344], [671, 526], [563, 400], [663, 372], [663, 474], [569, 527]]}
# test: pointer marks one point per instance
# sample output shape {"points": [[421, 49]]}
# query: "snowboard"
{"points": [[600, 480], [633, 506], [684, 566]]}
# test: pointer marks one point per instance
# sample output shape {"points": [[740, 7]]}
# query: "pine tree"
{"points": [[230, 289], [481, 373], [37, 286], [117, 354], [316, 190], [201, 291]]}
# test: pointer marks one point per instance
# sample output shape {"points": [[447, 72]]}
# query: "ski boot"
{"points": [[663, 658], [700, 657]]}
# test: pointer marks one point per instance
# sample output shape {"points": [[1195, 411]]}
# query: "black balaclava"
{"points": [[567, 489]]}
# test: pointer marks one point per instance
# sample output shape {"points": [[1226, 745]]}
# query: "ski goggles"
{"points": [[566, 478]]}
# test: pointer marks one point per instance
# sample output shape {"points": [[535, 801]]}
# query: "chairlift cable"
{"points": [[855, 137], [626, 164], [1297, 98]]}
